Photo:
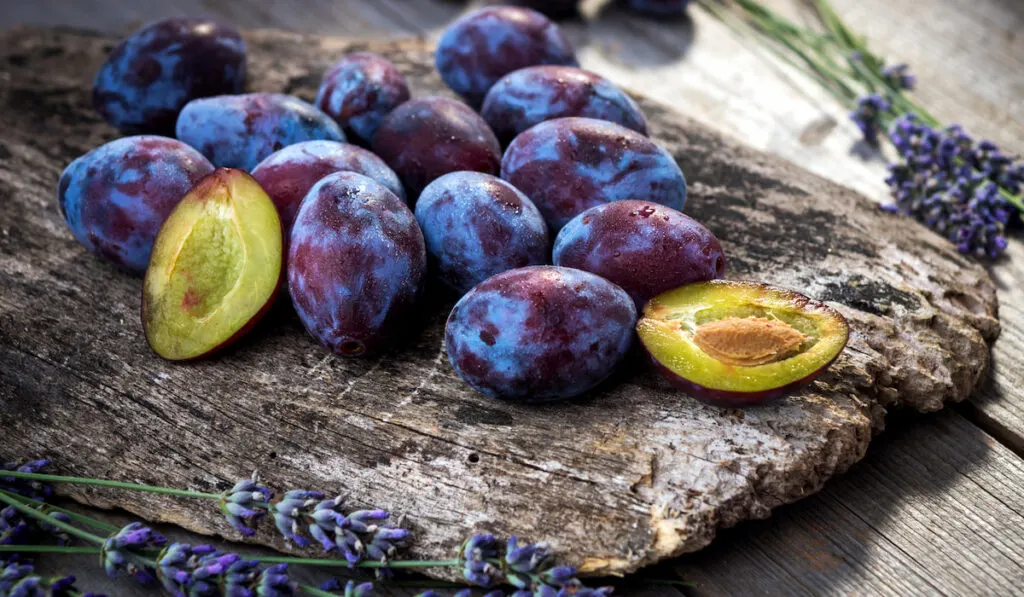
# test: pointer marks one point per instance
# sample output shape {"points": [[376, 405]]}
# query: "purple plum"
{"points": [[568, 165], [428, 137], [289, 174], [532, 95], [487, 44], [359, 91], [116, 197], [476, 225], [539, 333], [643, 247], [153, 73], [356, 264], [240, 131]]}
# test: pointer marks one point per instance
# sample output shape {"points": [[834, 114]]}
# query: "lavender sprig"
{"points": [[117, 552], [868, 116], [476, 557], [244, 505], [899, 76], [18, 579], [36, 490], [350, 588], [202, 571]]}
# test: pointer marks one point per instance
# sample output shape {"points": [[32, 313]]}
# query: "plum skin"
{"points": [[426, 138], [240, 131], [287, 175], [568, 165], [484, 45], [532, 95], [115, 197], [476, 225], [356, 264], [153, 73], [359, 91], [735, 399], [643, 247], [539, 333]]}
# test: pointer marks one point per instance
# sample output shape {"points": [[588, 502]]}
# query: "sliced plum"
{"points": [[734, 344], [215, 268]]}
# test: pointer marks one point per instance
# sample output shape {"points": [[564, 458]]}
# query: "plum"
{"points": [[428, 137], [568, 165], [216, 267], [287, 175], [356, 264], [539, 333], [239, 131], [658, 7], [359, 91], [488, 43], [643, 247], [153, 73], [734, 344], [532, 95], [476, 225], [115, 197]]}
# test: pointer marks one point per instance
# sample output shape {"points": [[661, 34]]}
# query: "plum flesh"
{"points": [[115, 198], [215, 268], [644, 247], [539, 333], [735, 344], [568, 165]]}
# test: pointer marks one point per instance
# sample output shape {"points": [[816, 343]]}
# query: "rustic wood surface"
{"points": [[700, 61]]}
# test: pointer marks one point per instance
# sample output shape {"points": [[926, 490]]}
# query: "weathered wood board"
{"points": [[630, 475]]}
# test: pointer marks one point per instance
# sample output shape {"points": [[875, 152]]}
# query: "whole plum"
{"points": [[428, 137], [487, 44], [239, 131], [568, 165], [643, 247], [359, 91], [539, 333], [287, 175], [356, 264], [153, 73], [532, 95], [476, 225], [658, 7], [115, 198]]}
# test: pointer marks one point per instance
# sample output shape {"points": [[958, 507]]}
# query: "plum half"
{"points": [[215, 268], [735, 344]]}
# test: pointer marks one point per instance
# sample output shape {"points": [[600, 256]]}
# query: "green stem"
{"points": [[70, 514], [338, 563], [73, 530], [106, 483], [316, 592], [65, 549]]}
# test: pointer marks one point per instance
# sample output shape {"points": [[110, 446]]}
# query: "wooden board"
{"points": [[631, 475]]}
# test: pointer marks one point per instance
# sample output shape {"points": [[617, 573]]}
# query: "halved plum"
{"points": [[735, 344], [215, 268]]}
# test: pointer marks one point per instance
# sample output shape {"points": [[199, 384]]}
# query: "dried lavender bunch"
{"points": [[29, 488], [530, 568], [18, 579], [120, 551], [951, 183], [201, 571]]}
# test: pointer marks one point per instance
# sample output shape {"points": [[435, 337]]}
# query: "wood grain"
{"points": [[631, 475]]}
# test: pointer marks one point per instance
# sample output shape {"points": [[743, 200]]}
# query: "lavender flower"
{"points": [[899, 76], [243, 505], [951, 184], [202, 571], [351, 589], [469, 593], [18, 579], [288, 512], [116, 552], [29, 488], [868, 116], [14, 529], [274, 582], [523, 562], [474, 555]]}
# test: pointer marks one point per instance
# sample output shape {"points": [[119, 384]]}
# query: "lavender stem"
{"points": [[106, 483], [73, 530]]}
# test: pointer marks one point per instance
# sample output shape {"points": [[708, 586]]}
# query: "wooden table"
{"points": [[937, 507]]}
